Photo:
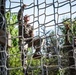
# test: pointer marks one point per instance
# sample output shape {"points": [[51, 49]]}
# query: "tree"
{"points": [[68, 49]]}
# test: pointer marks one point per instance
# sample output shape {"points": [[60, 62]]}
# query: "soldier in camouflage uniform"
{"points": [[28, 33]]}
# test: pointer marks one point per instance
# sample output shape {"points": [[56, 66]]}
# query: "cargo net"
{"points": [[54, 26]]}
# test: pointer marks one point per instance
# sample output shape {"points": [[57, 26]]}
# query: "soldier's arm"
{"points": [[20, 14], [31, 32]]}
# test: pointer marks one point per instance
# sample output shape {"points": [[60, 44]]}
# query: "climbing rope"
{"points": [[46, 18]]}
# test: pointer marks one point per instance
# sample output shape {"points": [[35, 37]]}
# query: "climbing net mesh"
{"points": [[49, 19]]}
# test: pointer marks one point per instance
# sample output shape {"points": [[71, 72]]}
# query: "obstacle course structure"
{"points": [[53, 22]]}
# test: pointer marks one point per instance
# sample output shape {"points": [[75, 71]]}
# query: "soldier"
{"points": [[28, 33]]}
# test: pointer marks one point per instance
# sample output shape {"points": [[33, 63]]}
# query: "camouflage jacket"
{"points": [[27, 29]]}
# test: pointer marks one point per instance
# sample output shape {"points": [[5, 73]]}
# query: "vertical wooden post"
{"points": [[2, 27], [2, 10]]}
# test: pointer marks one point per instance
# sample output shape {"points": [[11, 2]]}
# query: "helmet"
{"points": [[26, 18]]}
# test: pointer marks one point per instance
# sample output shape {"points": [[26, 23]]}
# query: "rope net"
{"points": [[53, 22]]}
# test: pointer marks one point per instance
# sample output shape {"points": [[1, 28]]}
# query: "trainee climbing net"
{"points": [[46, 16]]}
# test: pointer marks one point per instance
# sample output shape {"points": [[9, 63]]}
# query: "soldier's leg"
{"points": [[37, 46], [36, 43]]}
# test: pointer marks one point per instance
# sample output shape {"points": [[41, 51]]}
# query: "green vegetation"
{"points": [[14, 59]]}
